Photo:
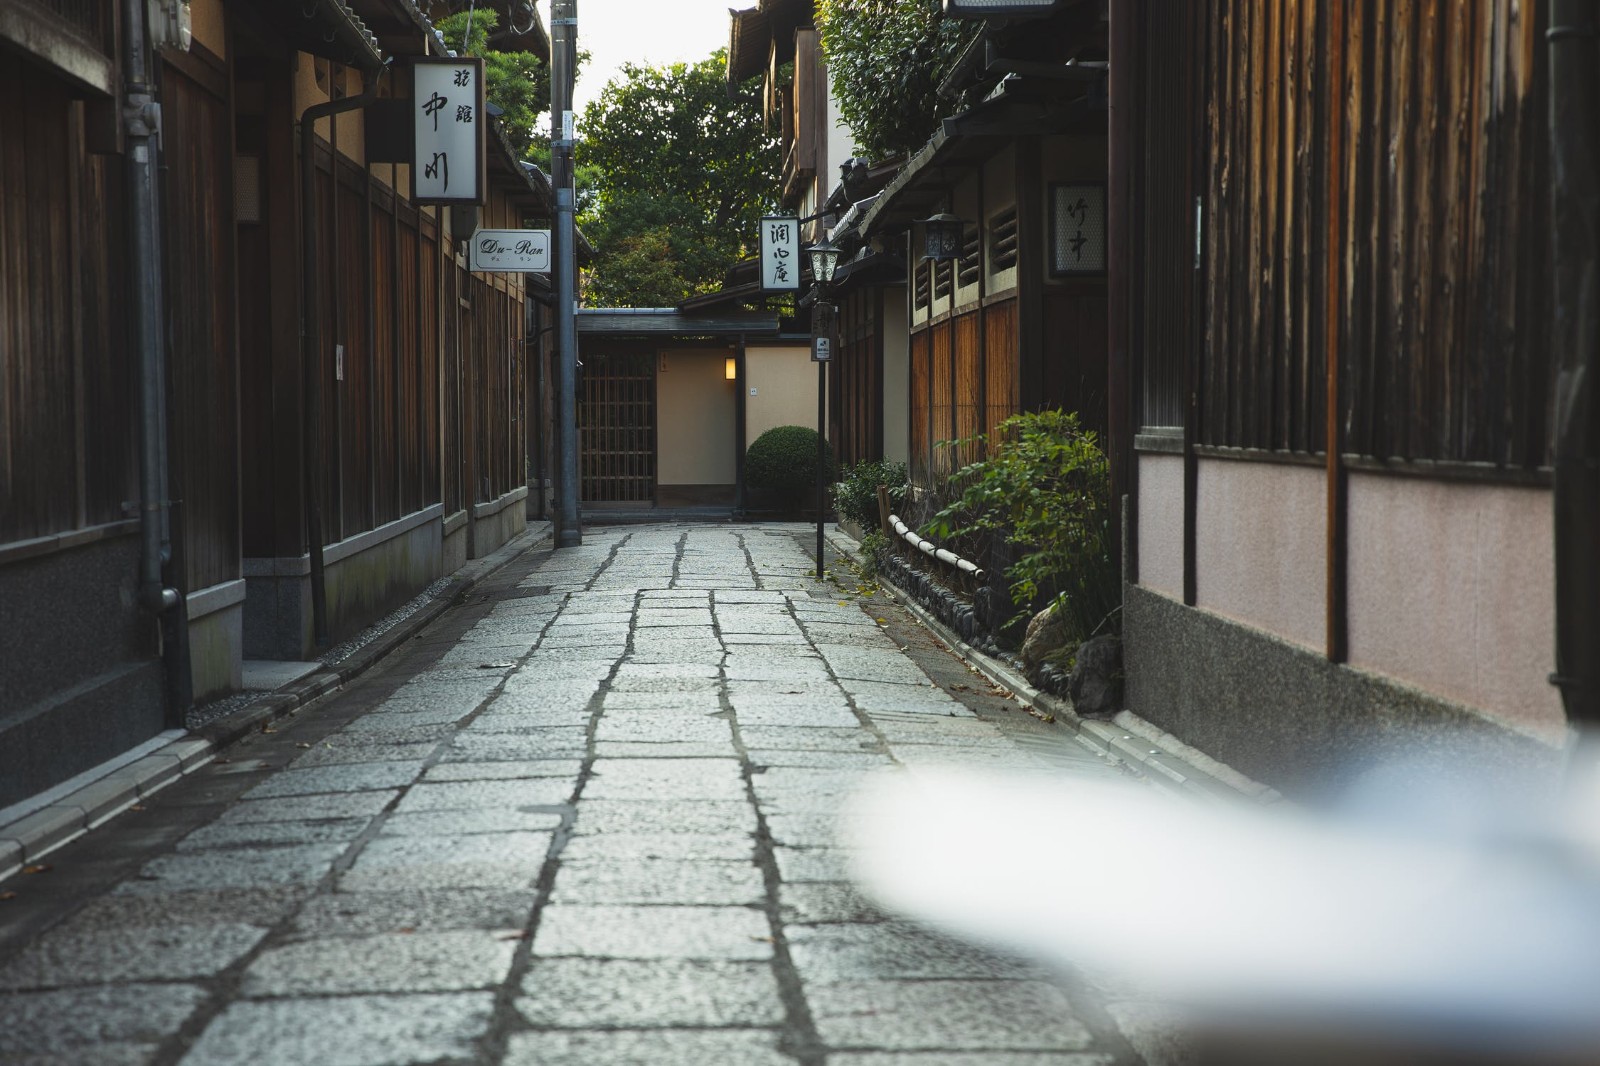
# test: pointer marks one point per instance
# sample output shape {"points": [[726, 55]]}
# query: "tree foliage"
{"points": [[681, 173], [885, 61], [515, 82]]}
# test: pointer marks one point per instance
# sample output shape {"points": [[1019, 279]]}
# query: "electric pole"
{"points": [[563, 61]]}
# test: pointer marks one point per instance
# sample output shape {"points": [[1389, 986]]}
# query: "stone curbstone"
{"points": [[45, 830], [1130, 744], [10, 857]]}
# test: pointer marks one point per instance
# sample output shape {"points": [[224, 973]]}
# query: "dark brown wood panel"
{"points": [[941, 423], [1000, 398], [921, 467], [199, 245], [967, 340]]}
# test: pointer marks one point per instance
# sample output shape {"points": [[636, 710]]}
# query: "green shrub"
{"points": [[784, 459], [856, 495], [1044, 489]]}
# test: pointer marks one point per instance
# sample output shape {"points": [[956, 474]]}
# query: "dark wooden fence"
{"points": [[1385, 155], [68, 441]]}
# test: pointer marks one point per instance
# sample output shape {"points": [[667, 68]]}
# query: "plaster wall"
{"points": [[1452, 589], [1261, 546], [695, 418], [1161, 524], [785, 380], [999, 192], [896, 376], [208, 25]]}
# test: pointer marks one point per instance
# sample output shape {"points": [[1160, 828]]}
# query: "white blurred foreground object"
{"points": [[1474, 934]]}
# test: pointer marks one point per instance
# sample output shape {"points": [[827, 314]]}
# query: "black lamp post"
{"points": [[824, 262]]}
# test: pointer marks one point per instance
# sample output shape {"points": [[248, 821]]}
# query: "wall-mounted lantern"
{"points": [[941, 237], [730, 369], [824, 261]]}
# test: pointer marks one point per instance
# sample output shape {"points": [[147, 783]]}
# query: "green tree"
{"points": [[885, 61], [515, 82], [681, 173]]}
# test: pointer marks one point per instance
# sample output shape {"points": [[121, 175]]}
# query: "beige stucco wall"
{"points": [[1161, 523], [209, 25], [1261, 546], [896, 376], [785, 382], [695, 418], [1451, 589]]}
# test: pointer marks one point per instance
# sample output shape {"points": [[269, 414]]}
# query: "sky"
{"points": [[644, 31]]}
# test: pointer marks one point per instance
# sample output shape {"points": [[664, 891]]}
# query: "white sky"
{"points": [[644, 31]]}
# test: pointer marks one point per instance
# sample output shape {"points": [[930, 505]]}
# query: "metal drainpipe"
{"points": [[141, 117], [1574, 49], [311, 338]]}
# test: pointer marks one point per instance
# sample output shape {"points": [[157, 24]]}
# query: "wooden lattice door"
{"points": [[617, 428]]}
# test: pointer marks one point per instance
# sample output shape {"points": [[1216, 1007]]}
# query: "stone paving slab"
{"points": [[588, 820], [380, 1030]]}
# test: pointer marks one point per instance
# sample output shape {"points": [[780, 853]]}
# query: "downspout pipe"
{"points": [[1573, 40], [311, 342], [141, 117]]}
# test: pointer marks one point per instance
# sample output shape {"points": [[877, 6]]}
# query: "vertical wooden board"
{"points": [[921, 468]]}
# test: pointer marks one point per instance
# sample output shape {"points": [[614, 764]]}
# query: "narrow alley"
{"points": [[587, 816]]}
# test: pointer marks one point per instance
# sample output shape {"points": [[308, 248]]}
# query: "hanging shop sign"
{"points": [[780, 254], [447, 158], [518, 251]]}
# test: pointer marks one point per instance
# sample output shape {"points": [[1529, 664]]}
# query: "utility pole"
{"points": [[563, 57]]}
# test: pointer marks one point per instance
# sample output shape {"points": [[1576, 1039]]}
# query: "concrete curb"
{"points": [[32, 837], [1126, 739]]}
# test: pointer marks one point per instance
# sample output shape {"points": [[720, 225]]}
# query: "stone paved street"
{"points": [[587, 817]]}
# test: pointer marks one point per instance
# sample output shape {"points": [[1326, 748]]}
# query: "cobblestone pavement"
{"points": [[586, 818]]}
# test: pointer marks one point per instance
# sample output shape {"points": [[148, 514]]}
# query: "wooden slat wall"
{"points": [[430, 383], [203, 373], [385, 371], [353, 394], [921, 468], [940, 421], [856, 375], [1443, 331], [969, 384], [38, 437], [1001, 380], [1074, 353]]}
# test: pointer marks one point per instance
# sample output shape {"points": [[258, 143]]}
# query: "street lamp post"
{"points": [[824, 261]]}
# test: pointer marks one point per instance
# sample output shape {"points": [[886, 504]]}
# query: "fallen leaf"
{"points": [[762, 939], [137, 807], [301, 744], [268, 729], [7, 897], [38, 868], [515, 936]]}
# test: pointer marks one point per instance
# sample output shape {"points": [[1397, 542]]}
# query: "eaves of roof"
{"points": [[966, 140], [616, 322], [330, 29], [753, 30]]}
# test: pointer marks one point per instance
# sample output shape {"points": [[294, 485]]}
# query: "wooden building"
{"points": [[1332, 358], [321, 461]]}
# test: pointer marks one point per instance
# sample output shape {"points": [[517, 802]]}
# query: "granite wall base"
{"points": [[1286, 716], [80, 677]]}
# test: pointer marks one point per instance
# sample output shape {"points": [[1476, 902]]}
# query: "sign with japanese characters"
{"points": [[521, 251], [1078, 229], [780, 254], [824, 327], [447, 162]]}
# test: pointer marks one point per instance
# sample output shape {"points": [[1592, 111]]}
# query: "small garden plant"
{"points": [[1044, 489], [783, 460], [856, 495]]}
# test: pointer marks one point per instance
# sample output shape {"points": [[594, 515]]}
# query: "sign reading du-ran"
{"points": [[525, 251], [447, 162]]}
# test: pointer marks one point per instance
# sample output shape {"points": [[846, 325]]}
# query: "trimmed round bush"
{"points": [[784, 459]]}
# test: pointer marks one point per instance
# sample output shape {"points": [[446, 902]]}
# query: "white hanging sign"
{"points": [[780, 254], [447, 162], [521, 251]]}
